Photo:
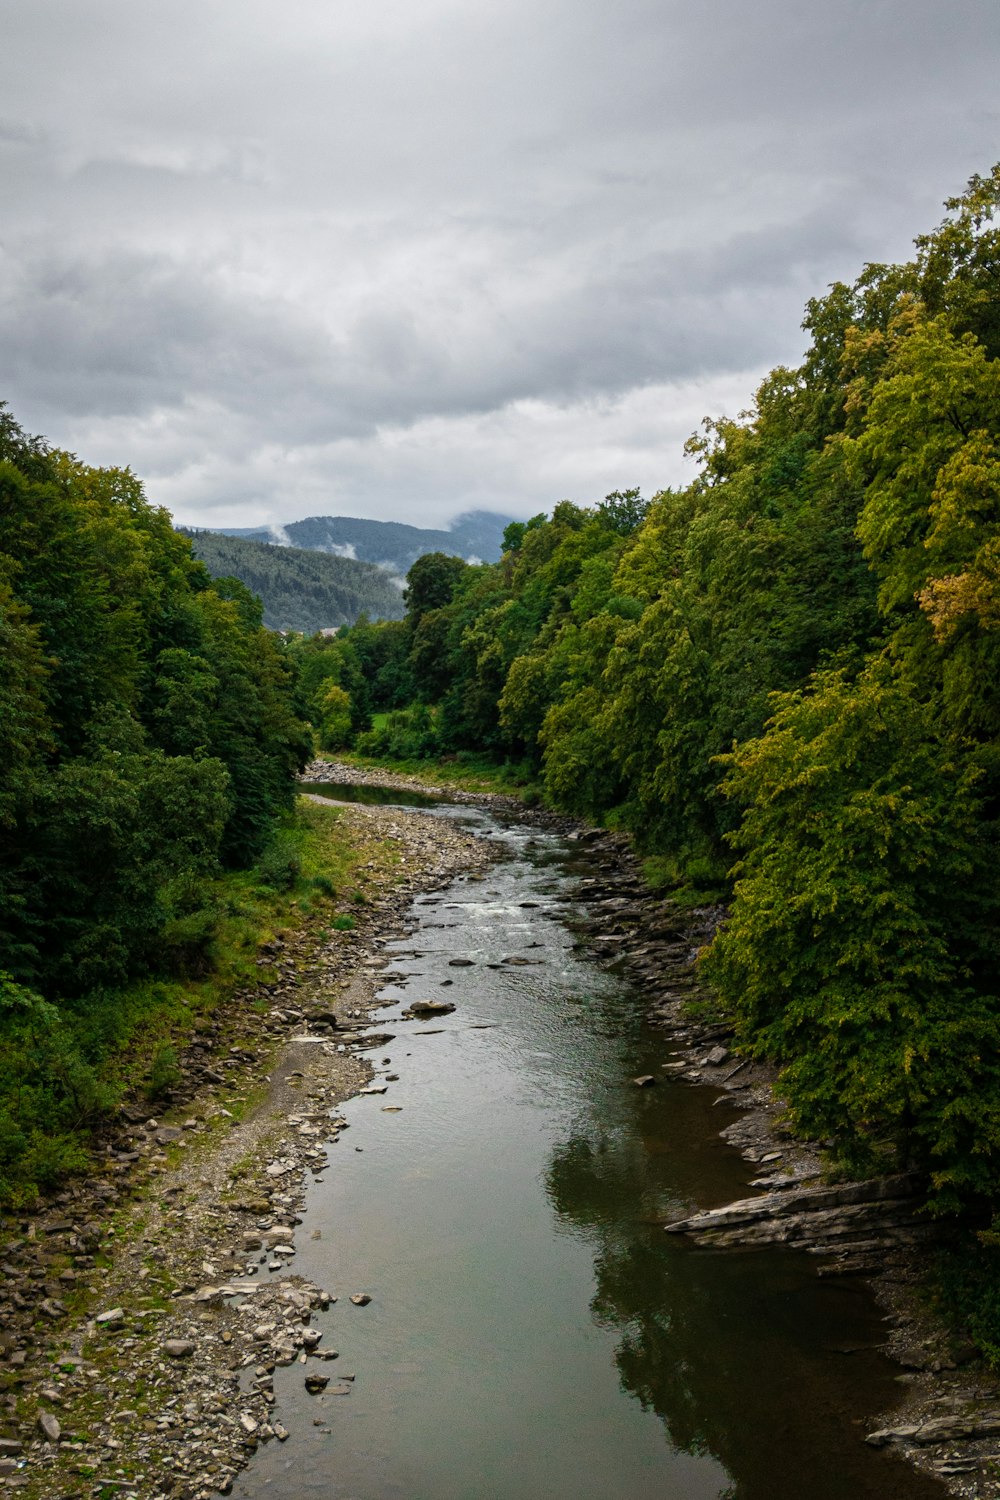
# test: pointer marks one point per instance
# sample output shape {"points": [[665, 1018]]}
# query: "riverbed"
{"points": [[532, 1332]]}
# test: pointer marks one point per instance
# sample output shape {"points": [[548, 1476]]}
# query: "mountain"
{"points": [[299, 589], [477, 535]]}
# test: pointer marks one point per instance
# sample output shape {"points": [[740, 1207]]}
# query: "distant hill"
{"points": [[299, 589], [392, 544]]}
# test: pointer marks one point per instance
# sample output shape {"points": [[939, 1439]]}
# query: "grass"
{"points": [[126, 1042]]}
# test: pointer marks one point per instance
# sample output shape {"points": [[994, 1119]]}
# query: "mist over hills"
{"points": [[300, 589], [395, 545]]}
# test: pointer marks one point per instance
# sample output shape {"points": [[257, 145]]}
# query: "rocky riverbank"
{"points": [[143, 1311], [345, 774], [948, 1423]]}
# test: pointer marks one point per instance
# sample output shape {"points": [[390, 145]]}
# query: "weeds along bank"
{"points": [[784, 677]]}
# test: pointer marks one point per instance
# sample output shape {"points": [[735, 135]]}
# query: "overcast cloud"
{"points": [[409, 257]]}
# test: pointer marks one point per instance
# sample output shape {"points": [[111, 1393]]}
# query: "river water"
{"points": [[533, 1333]]}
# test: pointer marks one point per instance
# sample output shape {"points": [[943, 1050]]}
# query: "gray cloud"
{"points": [[336, 259]]}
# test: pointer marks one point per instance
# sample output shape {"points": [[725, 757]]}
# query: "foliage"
{"points": [[406, 734], [859, 949], [65, 1068]]}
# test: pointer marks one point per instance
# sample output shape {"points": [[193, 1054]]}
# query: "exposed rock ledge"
{"points": [[820, 1219]]}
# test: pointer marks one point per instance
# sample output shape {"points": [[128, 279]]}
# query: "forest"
{"points": [[300, 590], [149, 741], [784, 681]]}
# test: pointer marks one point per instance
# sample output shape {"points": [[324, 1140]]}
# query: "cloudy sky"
{"points": [[403, 258]]}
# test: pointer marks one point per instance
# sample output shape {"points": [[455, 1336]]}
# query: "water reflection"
{"points": [[747, 1357]]}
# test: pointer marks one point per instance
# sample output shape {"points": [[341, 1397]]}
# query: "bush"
{"points": [[188, 943], [164, 1073], [407, 734], [48, 1090], [281, 863]]}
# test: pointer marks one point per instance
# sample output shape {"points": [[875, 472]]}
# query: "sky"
{"points": [[407, 258]]}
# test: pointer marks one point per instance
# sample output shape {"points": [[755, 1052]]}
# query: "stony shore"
{"points": [[143, 1313]]}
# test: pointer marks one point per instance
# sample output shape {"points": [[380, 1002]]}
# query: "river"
{"points": [[533, 1333]]}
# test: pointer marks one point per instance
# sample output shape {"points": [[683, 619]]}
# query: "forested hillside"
{"points": [[300, 590], [148, 740], [790, 671], [392, 544]]}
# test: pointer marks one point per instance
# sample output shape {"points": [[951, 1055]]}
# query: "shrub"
{"points": [[164, 1073], [280, 865]]}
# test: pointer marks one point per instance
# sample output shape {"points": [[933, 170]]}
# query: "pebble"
{"points": [[179, 1348]]}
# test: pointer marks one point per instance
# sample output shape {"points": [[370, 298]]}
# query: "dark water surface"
{"points": [[534, 1334]]}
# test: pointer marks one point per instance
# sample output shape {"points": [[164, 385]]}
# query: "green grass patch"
{"points": [[66, 1067]]}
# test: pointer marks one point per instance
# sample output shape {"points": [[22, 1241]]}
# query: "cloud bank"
{"points": [[403, 261]]}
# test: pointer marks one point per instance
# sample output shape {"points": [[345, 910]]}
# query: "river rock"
{"points": [[179, 1348], [316, 1383], [431, 1007], [644, 1081], [48, 1426], [886, 1210], [361, 1299], [955, 1429]]}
